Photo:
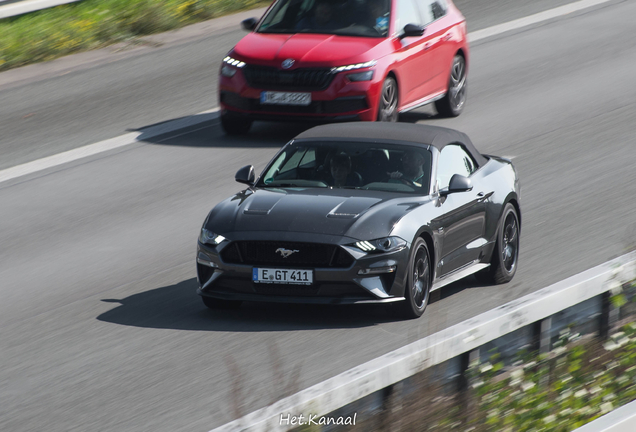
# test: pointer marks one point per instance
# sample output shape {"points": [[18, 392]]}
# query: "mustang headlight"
{"points": [[208, 237], [383, 245]]}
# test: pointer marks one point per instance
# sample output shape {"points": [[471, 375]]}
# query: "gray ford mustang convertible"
{"points": [[363, 213]]}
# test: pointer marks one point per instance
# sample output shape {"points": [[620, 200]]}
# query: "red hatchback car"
{"points": [[343, 60]]}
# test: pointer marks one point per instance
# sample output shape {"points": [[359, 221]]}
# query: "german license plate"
{"points": [[280, 276], [285, 98]]}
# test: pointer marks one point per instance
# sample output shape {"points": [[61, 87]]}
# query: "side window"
{"points": [[453, 160], [431, 10], [407, 14]]}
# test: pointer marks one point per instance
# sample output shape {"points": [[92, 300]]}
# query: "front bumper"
{"points": [[331, 285], [341, 100]]}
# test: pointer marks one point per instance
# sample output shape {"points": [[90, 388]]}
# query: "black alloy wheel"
{"points": [[388, 106], [233, 125], [510, 243], [417, 291], [213, 303], [505, 256], [452, 104]]}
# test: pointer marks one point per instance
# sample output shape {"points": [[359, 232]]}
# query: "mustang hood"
{"points": [[316, 211], [306, 49]]}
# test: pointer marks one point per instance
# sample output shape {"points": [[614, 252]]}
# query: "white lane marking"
{"points": [[106, 145], [134, 137], [533, 19]]}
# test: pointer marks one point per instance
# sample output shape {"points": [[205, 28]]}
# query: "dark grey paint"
{"points": [[449, 222]]}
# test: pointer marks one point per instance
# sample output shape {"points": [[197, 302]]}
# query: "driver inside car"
{"points": [[379, 10], [341, 173], [412, 169]]}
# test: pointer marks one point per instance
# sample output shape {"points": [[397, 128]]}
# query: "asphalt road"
{"points": [[101, 326]]}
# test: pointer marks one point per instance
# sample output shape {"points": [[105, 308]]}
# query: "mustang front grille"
{"points": [[299, 79], [287, 254]]}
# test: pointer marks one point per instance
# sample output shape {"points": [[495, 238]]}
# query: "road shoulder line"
{"points": [[106, 145], [533, 19]]}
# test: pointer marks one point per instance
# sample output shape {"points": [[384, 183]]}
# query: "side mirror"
{"points": [[412, 30], [249, 24], [245, 175], [458, 183]]}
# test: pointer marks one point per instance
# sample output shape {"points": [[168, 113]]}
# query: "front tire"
{"points": [[418, 286], [503, 264], [452, 104], [388, 106], [213, 303], [233, 125]]}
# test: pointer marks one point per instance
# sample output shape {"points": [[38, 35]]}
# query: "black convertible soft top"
{"points": [[435, 136]]}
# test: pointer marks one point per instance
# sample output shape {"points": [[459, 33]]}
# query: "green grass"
{"points": [[561, 391], [91, 24]]}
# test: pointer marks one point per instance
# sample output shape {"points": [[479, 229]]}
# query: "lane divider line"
{"points": [[533, 19], [106, 145], [171, 126]]}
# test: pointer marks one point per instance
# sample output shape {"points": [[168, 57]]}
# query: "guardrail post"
{"points": [[544, 336], [545, 344], [466, 382], [609, 315], [390, 417], [541, 335]]}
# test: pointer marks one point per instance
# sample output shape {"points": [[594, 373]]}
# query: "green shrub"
{"points": [[89, 24]]}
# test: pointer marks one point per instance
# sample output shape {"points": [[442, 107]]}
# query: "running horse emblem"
{"points": [[286, 252]]}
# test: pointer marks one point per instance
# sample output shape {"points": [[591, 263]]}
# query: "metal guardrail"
{"points": [[9, 8], [622, 419], [537, 317]]}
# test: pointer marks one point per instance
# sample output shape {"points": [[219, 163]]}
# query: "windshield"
{"points": [[350, 165], [341, 17]]}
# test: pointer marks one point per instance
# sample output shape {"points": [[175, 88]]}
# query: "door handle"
{"points": [[447, 36], [427, 46], [482, 196]]}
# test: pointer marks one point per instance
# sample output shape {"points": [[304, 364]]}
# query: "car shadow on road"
{"points": [[415, 116], [463, 284], [204, 130], [179, 307]]}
